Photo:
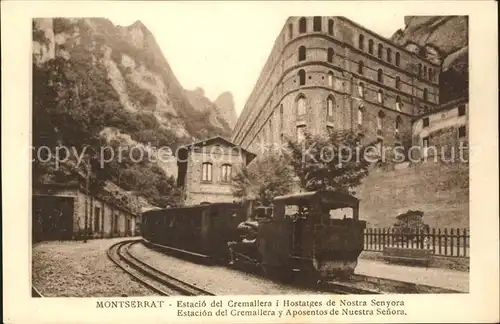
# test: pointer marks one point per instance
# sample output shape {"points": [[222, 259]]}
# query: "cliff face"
{"points": [[225, 106], [135, 69], [219, 116], [109, 87], [443, 40]]}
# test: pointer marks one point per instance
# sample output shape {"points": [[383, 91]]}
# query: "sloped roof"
{"points": [[217, 139]]}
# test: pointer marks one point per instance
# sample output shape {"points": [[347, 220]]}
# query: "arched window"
{"points": [[398, 82], [380, 76], [330, 55], [361, 42], [317, 23], [301, 105], [431, 74], [425, 71], [302, 53], [380, 50], [380, 96], [425, 95], [398, 58], [302, 77], [330, 26], [361, 90], [360, 115], [380, 120], [399, 121], [302, 25], [370, 46], [206, 174], [389, 55], [398, 103], [419, 69], [290, 31], [330, 102], [226, 173], [360, 67], [330, 79]]}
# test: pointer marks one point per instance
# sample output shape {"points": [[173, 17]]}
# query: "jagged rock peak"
{"points": [[225, 105], [199, 91]]}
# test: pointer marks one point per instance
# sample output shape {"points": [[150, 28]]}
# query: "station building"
{"points": [[59, 212], [330, 73], [206, 168]]}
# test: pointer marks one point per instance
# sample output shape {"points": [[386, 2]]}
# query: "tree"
{"points": [[267, 177], [337, 162]]}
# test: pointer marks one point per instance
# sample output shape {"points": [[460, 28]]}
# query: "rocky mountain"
{"points": [[98, 84], [217, 116], [226, 107], [135, 68], [443, 40]]}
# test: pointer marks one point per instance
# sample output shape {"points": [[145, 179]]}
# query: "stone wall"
{"points": [[216, 190], [271, 108]]}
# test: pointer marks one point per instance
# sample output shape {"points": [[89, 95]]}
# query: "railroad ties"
{"points": [[151, 277]]}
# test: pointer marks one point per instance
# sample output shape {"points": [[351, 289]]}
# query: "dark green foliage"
{"points": [[264, 179], [337, 162]]}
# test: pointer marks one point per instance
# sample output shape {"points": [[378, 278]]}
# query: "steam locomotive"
{"points": [[299, 233]]}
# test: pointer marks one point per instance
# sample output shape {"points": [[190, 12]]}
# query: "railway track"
{"points": [[149, 276]]}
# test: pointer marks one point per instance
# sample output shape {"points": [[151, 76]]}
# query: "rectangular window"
{"points": [[462, 132], [461, 110], [380, 97], [426, 122], [425, 142], [317, 23], [301, 130], [361, 90], [206, 172], [330, 80], [226, 173]]}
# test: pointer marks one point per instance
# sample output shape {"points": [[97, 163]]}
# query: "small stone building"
{"points": [[206, 168], [59, 212], [443, 132]]}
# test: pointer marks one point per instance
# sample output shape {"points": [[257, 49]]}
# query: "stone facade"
{"points": [[104, 219], [328, 52], [444, 131], [216, 153]]}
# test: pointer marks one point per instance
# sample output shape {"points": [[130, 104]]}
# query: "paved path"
{"points": [[437, 277]]}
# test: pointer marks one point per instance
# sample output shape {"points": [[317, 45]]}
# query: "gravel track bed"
{"points": [[77, 269], [218, 280]]}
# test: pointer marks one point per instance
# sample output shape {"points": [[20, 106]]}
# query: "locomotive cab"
{"points": [[306, 234]]}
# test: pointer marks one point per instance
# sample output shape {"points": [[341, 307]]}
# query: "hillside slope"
{"points": [[135, 68], [100, 85], [441, 191]]}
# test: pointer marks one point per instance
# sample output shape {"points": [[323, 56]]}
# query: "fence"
{"points": [[447, 242]]}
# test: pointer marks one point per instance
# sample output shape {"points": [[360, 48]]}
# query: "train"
{"points": [[299, 232]]}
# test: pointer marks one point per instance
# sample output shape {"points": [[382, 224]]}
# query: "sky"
{"points": [[223, 46]]}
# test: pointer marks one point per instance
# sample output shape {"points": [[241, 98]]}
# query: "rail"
{"points": [[149, 276]]}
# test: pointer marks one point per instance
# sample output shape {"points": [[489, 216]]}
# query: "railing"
{"points": [[444, 242]]}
